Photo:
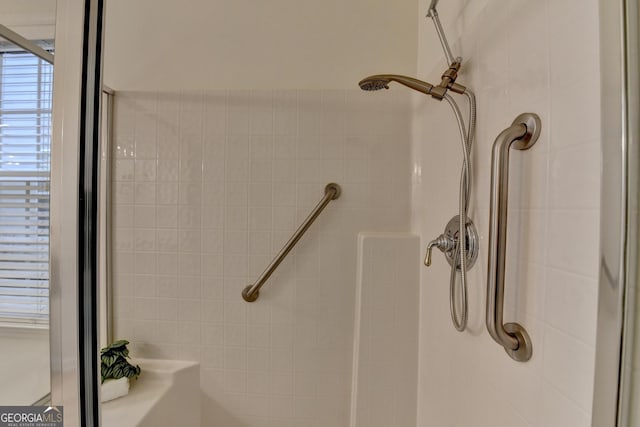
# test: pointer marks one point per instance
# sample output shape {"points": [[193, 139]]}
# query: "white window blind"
{"points": [[25, 141]]}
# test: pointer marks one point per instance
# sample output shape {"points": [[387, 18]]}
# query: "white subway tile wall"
{"points": [[207, 188], [519, 56]]}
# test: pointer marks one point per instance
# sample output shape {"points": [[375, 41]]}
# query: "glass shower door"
{"points": [[617, 371], [630, 378], [26, 84]]}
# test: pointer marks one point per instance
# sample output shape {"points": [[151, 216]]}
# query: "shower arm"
{"points": [[433, 14]]}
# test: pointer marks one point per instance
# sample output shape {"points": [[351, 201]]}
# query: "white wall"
{"points": [[24, 371], [33, 19], [242, 44], [520, 56]]}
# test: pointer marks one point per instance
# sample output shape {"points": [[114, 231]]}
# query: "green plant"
{"points": [[114, 364]]}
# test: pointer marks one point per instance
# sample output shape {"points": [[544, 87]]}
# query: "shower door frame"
{"points": [[630, 345], [74, 192], [618, 269]]}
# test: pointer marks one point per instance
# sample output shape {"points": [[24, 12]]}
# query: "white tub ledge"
{"points": [[167, 393]]}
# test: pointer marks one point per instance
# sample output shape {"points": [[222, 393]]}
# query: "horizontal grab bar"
{"points": [[252, 292], [521, 135]]}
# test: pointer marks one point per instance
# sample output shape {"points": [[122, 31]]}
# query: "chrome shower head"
{"points": [[371, 84], [381, 81]]}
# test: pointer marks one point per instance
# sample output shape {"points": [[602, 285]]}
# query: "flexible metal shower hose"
{"points": [[466, 138]]}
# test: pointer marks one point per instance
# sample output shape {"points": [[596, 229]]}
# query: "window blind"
{"points": [[25, 146]]}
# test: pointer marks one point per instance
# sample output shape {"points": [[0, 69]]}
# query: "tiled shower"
{"points": [[208, 185], [207, 188]]}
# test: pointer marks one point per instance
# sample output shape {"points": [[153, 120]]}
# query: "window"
{"points": [[25, 145]]}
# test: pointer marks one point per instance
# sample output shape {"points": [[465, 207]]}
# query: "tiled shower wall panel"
{"points": [[385, 384], [534, 56], [207, 187]]}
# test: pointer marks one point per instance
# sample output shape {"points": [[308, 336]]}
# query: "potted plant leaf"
{"points": [[114, 364]]}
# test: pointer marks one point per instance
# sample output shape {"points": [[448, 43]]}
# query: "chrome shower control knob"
{"points": [[447, 242], [442, 242]]}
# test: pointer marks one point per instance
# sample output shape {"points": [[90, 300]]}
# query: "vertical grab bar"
{"points": [[521, 135]]}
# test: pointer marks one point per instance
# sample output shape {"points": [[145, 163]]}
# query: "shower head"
{"points": [[381, 81]]}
